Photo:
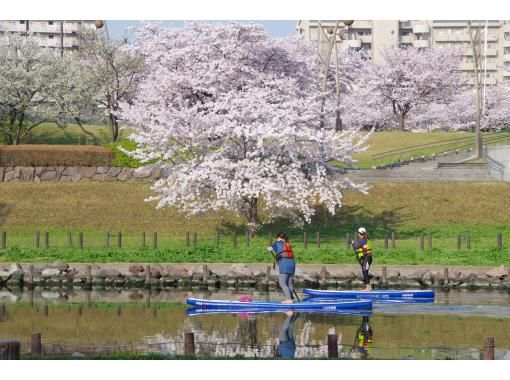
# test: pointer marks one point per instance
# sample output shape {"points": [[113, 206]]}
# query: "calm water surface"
{"points": [[454, 326]]}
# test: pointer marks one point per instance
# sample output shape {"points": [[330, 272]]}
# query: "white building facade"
{"points": [[375, 35], [63, 36]]}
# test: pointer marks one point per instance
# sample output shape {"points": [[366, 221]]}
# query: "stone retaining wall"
{"points": [[233, 276], [74, 174]]}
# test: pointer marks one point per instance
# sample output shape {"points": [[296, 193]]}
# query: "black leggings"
{"points": [[365, 267]]}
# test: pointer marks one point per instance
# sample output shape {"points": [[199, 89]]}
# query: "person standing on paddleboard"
{"points": [[286, 265], [363, 249]]}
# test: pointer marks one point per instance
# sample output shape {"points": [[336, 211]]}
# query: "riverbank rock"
{"points": [[178, 271], [50, 272], [240, 271], [104, 273], [498, 272], [136, 269], [61, 266]]}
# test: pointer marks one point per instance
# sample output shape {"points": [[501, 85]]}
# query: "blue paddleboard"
{"points": [[196, 311], [374, 294]]}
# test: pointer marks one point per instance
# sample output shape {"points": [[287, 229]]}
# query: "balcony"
{"points": [[407, 39], [490, 52], [365, 39], [421, 43], [421, 28], [506, 57], [468, 66], [354, 44]]}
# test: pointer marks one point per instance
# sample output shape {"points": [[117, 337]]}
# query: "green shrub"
{"points": [[120, 159]]}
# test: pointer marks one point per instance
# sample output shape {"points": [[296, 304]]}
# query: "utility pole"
{"points": [[476, 47]]}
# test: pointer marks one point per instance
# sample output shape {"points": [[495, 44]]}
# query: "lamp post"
{"points": [[331, 35]]}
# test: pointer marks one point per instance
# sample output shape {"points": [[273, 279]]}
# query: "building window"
{"points": [[507, 50], [404, 33], [507, 36], [22, 22], [50, 22], [50, 36]]}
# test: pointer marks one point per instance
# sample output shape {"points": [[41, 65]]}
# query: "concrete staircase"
{"points": [[443, 169]]}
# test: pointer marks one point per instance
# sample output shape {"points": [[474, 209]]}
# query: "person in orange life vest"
{"points": [[286, 265], [363, 249]]}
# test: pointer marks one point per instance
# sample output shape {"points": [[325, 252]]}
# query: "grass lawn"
{"points": [[409, 209]]}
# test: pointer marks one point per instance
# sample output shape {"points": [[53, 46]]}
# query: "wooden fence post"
{"points": [[147, 275], [88, 274], [318, 239], [154, 312], [323, 275], [500, 241], [234, 239], [332, 346], [305, 240], [187, 239], [247, 233], [348, 240], [46, 240], [31, 274], [189, 343], [119, 240], [386, 242], [205, 273], [217, 238], [143, 239], [69, 239], [46, 310], [35, 346], [2, 312], [4, 240], [393, 240], [107, 239], [81, 240], [459, 242], [446, 276], [488, 348], [155, 240], [422, 242], [430, 240], [9, 350], [268, 274], [119, 311], [80, 310], [195, 239], [468, 240], [37, 239]]}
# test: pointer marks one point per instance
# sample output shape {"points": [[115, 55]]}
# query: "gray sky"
{"points": [[276, 28]]}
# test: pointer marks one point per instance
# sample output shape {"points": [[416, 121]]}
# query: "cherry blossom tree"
{"points": [[408, 78], [234, 119], [26, 74]]}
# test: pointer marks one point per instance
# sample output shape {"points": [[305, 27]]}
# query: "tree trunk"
{"points": [[401, 124], [114, 124]]}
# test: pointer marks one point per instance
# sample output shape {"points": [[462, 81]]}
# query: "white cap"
{"points": [[362, 230]]}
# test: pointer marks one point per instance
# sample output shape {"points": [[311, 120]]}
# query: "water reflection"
{"points": [[363, 340], [286, 341]]}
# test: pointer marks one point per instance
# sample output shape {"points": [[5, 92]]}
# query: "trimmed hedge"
{"points": [[55, 155]]}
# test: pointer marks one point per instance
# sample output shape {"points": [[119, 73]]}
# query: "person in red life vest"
{"points": [[286, 265], [363, 249]]}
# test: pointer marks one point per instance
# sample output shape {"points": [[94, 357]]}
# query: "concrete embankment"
{"points": [[237, 276]]}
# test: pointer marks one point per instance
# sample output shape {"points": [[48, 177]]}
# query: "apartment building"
{"points": [[63, 36], [374, 35]]}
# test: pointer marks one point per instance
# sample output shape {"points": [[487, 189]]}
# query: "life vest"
{"points": [[364, 250], [364, 340], [287, 251]]}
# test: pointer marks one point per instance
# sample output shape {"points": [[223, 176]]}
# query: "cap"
{"points": [[362, 230]]}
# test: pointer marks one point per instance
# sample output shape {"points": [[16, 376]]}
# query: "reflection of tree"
{"points": [[248, 331]]}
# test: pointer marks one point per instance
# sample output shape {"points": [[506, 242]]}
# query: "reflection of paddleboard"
{"points": [[374, 294], [196, 311], [257, 305]]}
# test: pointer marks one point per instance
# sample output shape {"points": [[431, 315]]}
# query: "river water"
{"points": [[101, 322]]}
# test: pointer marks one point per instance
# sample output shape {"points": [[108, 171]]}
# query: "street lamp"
{"points": [[332, 33]]}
